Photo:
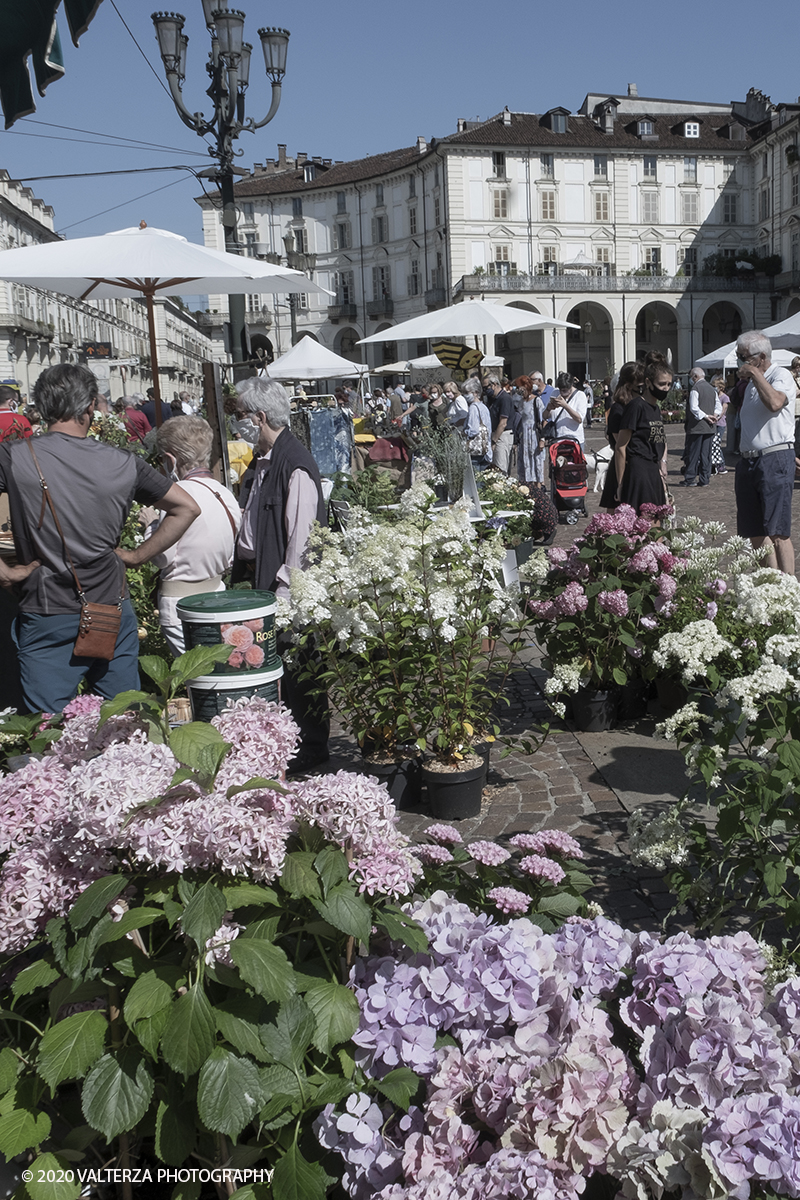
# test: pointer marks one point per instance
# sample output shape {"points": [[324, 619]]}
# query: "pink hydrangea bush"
{"points": [[534, 874], [101, 800], [596, 609], [586, 1052]]}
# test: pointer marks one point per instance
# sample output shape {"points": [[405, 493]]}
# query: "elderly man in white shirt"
{"points": [[765, 471]]}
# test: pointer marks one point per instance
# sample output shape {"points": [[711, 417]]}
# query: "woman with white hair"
{"points": [[198, 560]]}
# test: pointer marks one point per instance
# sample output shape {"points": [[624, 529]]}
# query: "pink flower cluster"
{"points": [[573, 600], [510, 900], [490, 854], [615, 602], [539, 867], [547, 840], [67, 819], [447, 834]]}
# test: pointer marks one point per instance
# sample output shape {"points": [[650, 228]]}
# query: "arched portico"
{"points": [[723, 321], [590, 347], [657, 329], [345, 344], [524, 350]]}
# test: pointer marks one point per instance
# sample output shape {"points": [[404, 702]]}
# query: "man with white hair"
{"points": [[704, 407], [765, 471]]}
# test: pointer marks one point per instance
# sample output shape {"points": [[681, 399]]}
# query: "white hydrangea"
{"points": [[535, 569], [768, 597], [659, 842], [768, 679], [692, 649], [664, 1153], [682, 723], [565, 677]]}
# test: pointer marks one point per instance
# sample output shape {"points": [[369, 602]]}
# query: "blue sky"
{"points": [[365, 77]]}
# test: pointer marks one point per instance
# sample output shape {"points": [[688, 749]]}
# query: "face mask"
{"points": [[660, 393], [246, 430]]}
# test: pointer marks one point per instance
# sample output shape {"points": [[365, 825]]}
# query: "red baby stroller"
{"points": [[568, 478]]}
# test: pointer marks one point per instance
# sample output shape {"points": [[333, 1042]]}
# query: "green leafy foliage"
{"points": [[117, 1093]]}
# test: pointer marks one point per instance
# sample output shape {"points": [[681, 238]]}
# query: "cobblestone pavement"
{"points": [[586, 784]]}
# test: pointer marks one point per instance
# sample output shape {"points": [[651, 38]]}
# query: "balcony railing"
{"points": [[380, 308], [612, 283], [342, 312], [436, 296], [787, 281]]}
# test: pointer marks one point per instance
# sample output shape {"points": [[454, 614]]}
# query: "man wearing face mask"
{"points": [[282, 498]]}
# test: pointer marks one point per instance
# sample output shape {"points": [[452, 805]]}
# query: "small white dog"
{"points": [[601, 460]]}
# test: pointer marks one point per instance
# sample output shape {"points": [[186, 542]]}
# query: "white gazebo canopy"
{"points": [[725, 357], [309, 359]]}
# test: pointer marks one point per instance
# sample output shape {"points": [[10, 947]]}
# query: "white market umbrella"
{"points": [[725, 357], [309, 359], [468, 319], [428, 362], [785, 335], [580, 262], [142, 262]]}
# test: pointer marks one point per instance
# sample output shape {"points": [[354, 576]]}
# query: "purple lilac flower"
{"points": [[649, 622], [717, 588], [488, 853], [547, 839], [433, 855], [594, 954], [615, 602], [539, 867], [509, 900], [666, 973], [573, 600], [711, 610], [448, 835], [756, 1138], [711, 1048]]}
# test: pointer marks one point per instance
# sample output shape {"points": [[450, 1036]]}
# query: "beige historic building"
{"points": [[627, 217]]}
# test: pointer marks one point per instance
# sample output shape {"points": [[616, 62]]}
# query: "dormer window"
{"points": [[691, 129], [645, 128], [558, 123]]}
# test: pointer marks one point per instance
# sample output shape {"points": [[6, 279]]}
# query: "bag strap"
{"points": [[209, 488], [47, 502]]}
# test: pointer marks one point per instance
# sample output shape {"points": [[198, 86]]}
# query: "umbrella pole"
{"points": [[151, 325]]}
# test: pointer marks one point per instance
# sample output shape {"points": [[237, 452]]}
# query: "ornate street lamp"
{"points": [[229, 69]]}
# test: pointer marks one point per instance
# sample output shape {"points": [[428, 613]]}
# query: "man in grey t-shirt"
{"points": [[92, 486]]}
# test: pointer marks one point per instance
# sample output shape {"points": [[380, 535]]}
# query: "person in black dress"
{"points": [[629, 384], [640, 452]]}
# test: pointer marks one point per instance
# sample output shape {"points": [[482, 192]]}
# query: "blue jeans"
{"points": [[50, 672]]}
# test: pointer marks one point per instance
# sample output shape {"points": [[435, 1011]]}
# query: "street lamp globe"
{"points": [[275, 43], [229, 24], [169, 29], [210, 7]]}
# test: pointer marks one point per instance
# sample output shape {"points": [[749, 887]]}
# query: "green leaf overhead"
{"points": [[68, 1049], [117, 1093], [228, 1092], [189, 1033]]}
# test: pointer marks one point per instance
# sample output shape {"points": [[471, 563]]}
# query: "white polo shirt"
{"points": [[761, 427]]}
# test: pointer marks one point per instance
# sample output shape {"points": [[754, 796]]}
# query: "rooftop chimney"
{"points": [[506, 117], [461, 124], [422, 145], [633, 89], [281, 154], [301, 158]]}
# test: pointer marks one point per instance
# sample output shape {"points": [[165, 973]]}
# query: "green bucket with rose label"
{"points": [[244, 620], [210, 694]]}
